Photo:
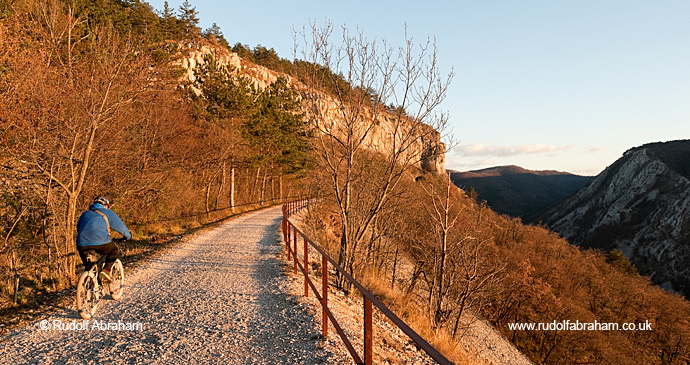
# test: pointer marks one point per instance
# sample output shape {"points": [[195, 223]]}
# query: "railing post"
{"points": [[287, 242], [295, 250], [368, 333], [286, 236], [324, 294], [306, 267]]}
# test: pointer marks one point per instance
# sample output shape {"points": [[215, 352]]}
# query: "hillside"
{"points": [[184, 131], [509, 272], [519, 192], [640, 205], [100, 107], [424, 144]]}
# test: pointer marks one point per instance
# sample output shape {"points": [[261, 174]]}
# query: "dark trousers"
{"points": [[109, 250]]}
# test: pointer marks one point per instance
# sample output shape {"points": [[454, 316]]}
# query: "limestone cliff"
{"points": [[429, 148], [641, 205]]}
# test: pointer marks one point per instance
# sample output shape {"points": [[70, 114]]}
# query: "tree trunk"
{"points": [[221, 187], [263, 189], [256, 183], [273, 190], [16, 286], [208, 197], [395, 264], [342, 257], [13, 261], [44, 229], [232, 189], [69, 237], [72, 201]]}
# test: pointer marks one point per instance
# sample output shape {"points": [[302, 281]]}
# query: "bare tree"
{"points": [[477, 272], [372, 107], [443, 219], [67, 110], [453, 257]]}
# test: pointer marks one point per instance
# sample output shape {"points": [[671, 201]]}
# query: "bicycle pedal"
{"points": [[105, 277]]}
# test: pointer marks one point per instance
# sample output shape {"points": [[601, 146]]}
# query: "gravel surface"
{"points": [[217, 297]]}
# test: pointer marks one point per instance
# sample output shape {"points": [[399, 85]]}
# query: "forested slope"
{"points": [[92, 102], [519, 192], [441, 255]]}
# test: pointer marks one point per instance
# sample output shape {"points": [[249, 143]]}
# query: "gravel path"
{"points": [[217, 297]]}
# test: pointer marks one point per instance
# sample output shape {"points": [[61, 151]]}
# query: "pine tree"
{"points": [[189, 18], [168, 21], [214, 32], [277, 129], [225, 94]]}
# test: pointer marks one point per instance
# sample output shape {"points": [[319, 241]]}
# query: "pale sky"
{"points": [[546, 85]]}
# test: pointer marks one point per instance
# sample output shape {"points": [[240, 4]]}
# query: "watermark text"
{"points": [[89, 325], [568, 325]]}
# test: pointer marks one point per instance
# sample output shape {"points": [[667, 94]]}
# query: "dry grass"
{"points": [[323, 224], [409, 309], [391, 345]]}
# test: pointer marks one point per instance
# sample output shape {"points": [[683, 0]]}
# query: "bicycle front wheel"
{"points": [[117, 285], [87, 298]]}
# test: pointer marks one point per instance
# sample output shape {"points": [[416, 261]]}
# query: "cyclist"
{"points": [[93, 233]]}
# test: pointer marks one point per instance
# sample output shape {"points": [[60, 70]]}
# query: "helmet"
{"points": [[101, 200]]}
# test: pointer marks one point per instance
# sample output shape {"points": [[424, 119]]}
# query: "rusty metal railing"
{"points": [[290, 235]]}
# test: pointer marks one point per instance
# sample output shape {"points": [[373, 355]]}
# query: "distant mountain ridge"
{"points": [[519, 192], [641, 205]]}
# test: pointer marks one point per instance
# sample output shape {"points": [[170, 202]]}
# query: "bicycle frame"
{"points": [[91, 289], [95, 272]]}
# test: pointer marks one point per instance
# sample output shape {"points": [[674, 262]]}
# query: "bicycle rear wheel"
{"points": [[87, 298], [117, 285]]}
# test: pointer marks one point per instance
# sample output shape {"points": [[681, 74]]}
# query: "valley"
{"points": [[639, 205]]}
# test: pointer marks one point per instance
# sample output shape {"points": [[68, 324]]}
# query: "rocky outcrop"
{"points": [[429, 149], [194, 55], [640, 205]]}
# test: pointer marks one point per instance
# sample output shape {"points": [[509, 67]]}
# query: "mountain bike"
{"points": [[91, 288]]}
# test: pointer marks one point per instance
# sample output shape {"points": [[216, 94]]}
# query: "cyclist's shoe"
{"points": [[105, 276]]}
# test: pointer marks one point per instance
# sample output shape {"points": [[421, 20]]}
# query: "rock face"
{"points": [[640, 205], [193, 56], [429, 148]]}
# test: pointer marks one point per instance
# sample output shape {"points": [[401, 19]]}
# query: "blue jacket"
{"points": [[92, 229]]}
